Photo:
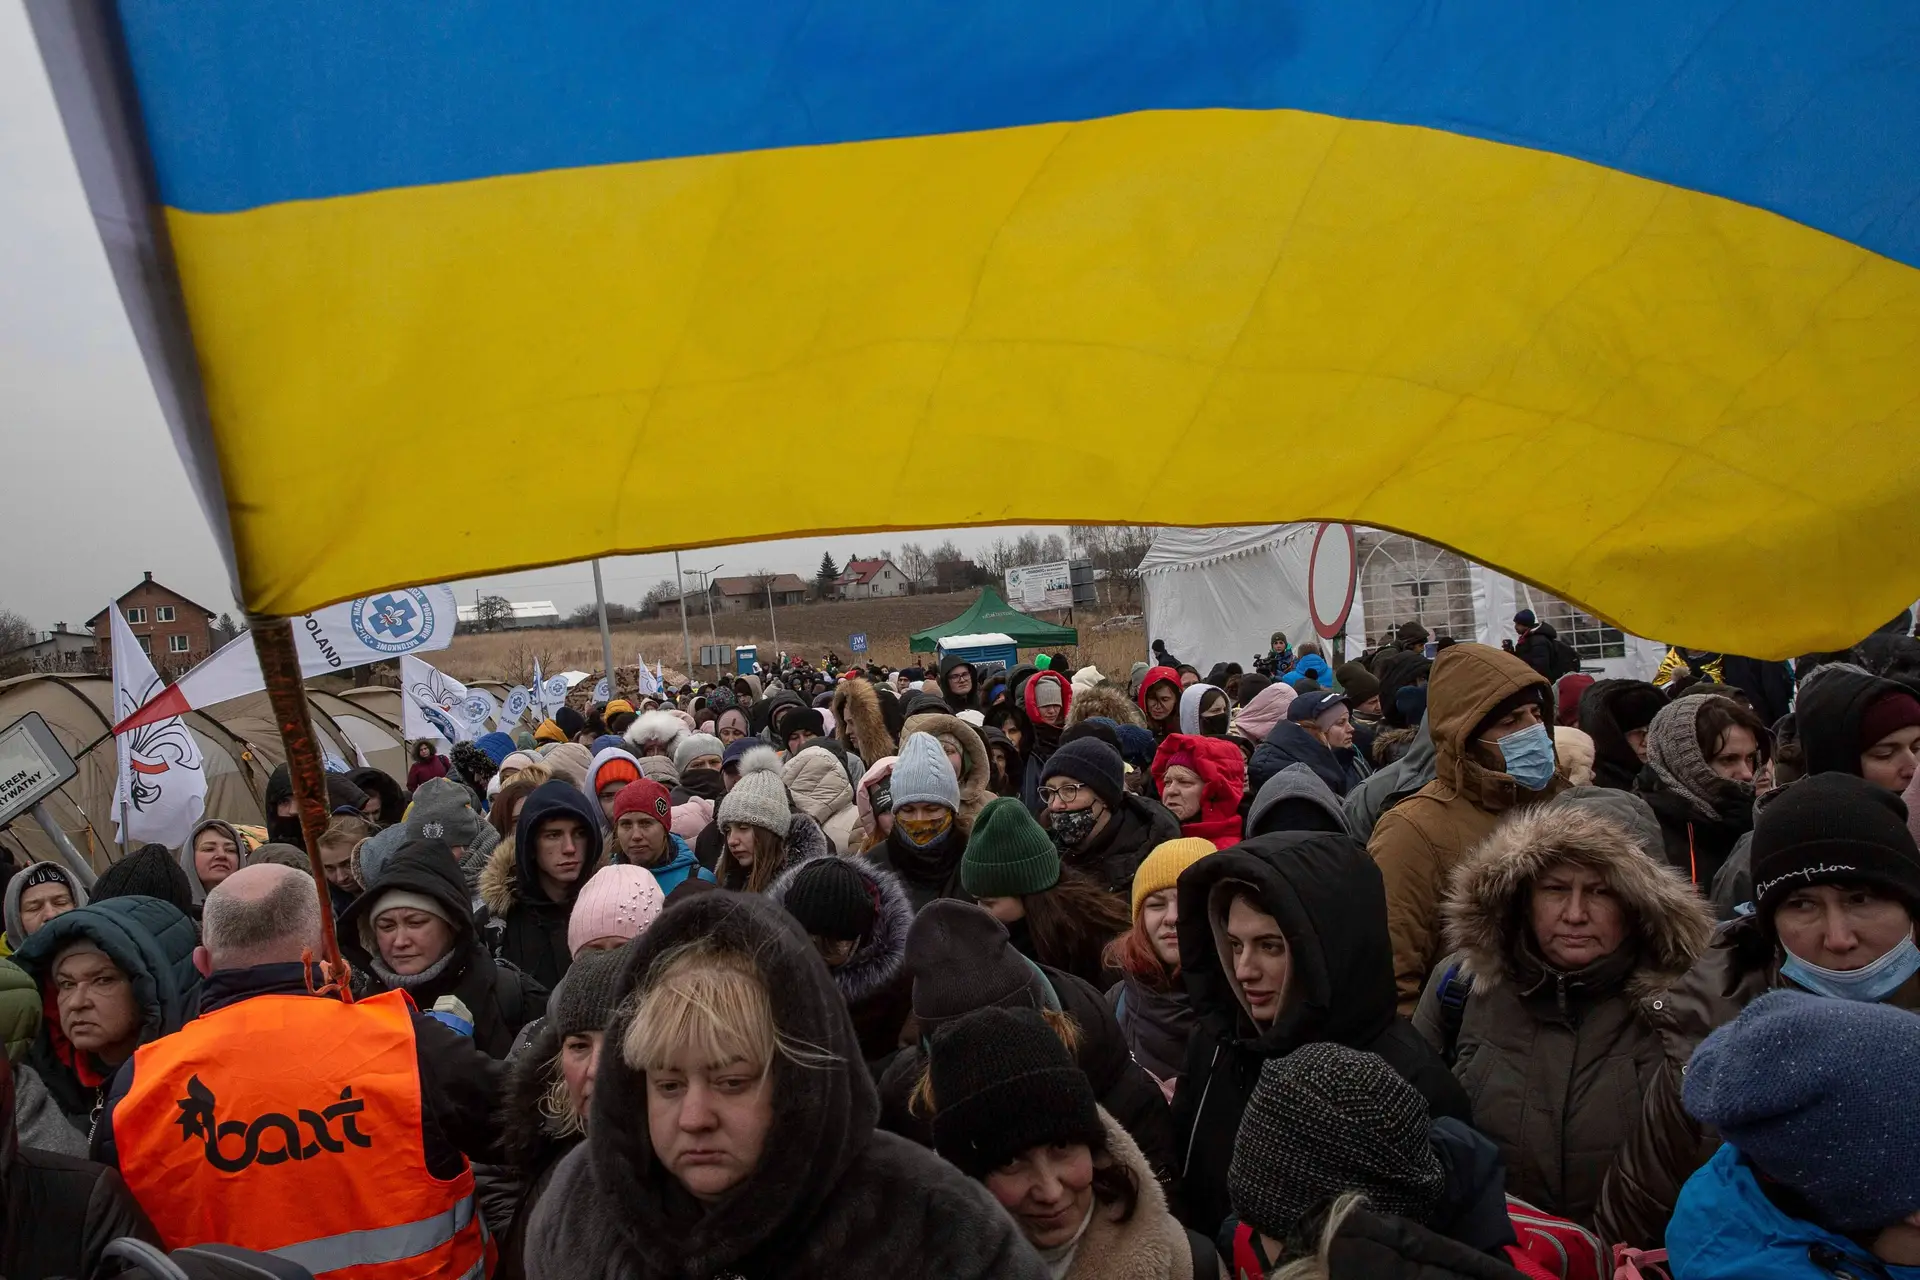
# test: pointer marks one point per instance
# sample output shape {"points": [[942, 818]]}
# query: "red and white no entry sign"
{"points": [[1332, 572]]}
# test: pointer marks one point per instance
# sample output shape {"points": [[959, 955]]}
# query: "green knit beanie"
{"points": [[1008, 854]]}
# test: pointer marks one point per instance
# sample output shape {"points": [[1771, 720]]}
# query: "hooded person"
{"points": [[1573, 750], [213, 852], [1617, 714], [1400, 669], [1493, 755], [1201, 782], [1102, 829], [528, 888], [1047, 700], [1159, 700], [1283, 942], [1817, 1177], [1392, 782], [1295, 799], [61, 1212], [1703, 753], [568, 762], [1103, 701], [925, 844], [1056, 917], [1316, 731], [857, 917], [958, 683], [1837, 895], [113, 976], [655, 733], [643, 836], [612, 769], [779, 1170], [549, 1090], [418, 933], [860, 720], [1847, 721], [1205, 711], [1012, 1109], [1262, 713], [817, 784], [36, 895], [1150, 1001], [966, 754], [962, 960], [1569, 933], [385, 799]]}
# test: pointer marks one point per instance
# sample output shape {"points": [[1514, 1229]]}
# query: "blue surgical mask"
{"points": [[1529, 756], [1868, 985]]}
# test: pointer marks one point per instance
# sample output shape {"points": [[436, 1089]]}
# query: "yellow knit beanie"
{"points": [[1163, 866]]}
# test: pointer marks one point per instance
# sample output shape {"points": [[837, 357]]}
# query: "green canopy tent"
{"points": [[991, 613]]}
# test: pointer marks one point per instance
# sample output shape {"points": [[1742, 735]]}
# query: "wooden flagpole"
{"points": [[280, 664]]}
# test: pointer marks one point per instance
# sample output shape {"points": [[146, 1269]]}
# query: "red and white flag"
{"points": [[160, 790]]}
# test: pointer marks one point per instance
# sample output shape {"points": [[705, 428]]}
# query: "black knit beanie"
{"points": [[962, 960], [150, 871], [588, 993], [1094, 764], [1325, 1120], [830, 899], [1833, 828], [1003, 1082]]}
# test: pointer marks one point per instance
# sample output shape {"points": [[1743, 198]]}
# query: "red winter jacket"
{"points": [[1223, 773]]}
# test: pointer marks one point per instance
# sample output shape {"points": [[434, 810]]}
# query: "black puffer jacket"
{"points": [[61, 1212], [831, 1198], [1330, 902], [500, 998], [1127, 1092], [518, 922], [533, 1148], [1136, 827], [1290, 744]]}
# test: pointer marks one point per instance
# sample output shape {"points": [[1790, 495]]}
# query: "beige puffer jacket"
{"points": [[818, 784]]}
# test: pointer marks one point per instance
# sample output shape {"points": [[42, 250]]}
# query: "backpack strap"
{"points": [[1206, 1258], [1456, 987]]}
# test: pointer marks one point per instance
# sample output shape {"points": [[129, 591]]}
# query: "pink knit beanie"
{"points": [[620, 901]]}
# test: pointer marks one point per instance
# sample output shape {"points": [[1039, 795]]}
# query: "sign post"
{"points": [[33, 765], [857, 642]]}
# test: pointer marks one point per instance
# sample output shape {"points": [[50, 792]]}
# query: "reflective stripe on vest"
{"points": [[386, 1244], [292, 1125]]}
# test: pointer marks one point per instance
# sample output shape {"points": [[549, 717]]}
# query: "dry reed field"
{"points": [[809, 629]]}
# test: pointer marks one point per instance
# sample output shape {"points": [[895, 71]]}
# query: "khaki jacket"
{"points": [[1419, 841], [1558, 1066]]}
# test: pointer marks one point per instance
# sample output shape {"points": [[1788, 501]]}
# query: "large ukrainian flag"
{"points": [[1623, 298]]}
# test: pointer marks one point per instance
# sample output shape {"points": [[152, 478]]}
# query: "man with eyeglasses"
{"points": [[1100, 828]]}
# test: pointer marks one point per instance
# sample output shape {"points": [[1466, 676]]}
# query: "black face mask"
{"points": [[705, 783], [1215, 726]]}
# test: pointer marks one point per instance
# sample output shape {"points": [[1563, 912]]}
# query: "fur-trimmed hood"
{"points": [[1104, 699], [662, 727], [882, 954], [976, 781], [526, 1135], [498, 886], [1484, 905], [859, 722]]}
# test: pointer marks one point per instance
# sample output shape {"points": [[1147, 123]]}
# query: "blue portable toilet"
{"points": [[989, 646], [745, 659]]}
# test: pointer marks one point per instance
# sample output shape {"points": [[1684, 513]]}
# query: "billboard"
{"points": [[1041, 586]]}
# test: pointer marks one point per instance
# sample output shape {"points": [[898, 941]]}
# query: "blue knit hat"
{"points": [[1819, 1094], [924, 775], [497, 745], [606, 740], [1136, 745]]}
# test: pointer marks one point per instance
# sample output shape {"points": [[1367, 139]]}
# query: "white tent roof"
{"points": [[981, 641]]}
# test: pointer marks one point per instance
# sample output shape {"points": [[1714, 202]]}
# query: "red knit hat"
{"points": [[645, 796]]}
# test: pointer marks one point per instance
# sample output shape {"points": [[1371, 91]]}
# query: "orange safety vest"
{"points": [[291, 1125]]}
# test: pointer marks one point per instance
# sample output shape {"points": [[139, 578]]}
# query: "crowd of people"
{"points": [[1448, 960]]}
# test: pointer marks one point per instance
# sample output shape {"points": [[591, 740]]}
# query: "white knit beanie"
{"points": [[923, 774], [760, 798]]}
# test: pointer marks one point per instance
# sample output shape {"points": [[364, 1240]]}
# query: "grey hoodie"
{"points": [[1295, 782], [1374, 796], [186, 853], [16, 932]]}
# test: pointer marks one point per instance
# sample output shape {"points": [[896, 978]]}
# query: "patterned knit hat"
{"points": [[589, 992], [618, 901], [923, 775], [759, 799], [1325, 1120], [1009, 855], [1161, 869], [1002, 1083]]}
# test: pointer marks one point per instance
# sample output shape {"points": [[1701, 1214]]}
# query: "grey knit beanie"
{"points": [[923, 775], [1323, 1121], [759, 799], [588, 993], [692, 747]]}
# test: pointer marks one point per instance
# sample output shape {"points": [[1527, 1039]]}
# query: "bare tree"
{"points": [[914, 562], [1053, 547], [1116, 551], [494, 612], [16, 633]]}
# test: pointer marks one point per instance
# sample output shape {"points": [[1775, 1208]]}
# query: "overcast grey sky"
{"points": [[91, 488]]}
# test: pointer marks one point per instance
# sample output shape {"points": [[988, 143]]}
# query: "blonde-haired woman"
{"points": [[732, 1128]]}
